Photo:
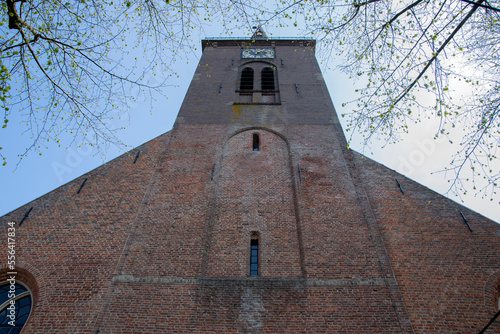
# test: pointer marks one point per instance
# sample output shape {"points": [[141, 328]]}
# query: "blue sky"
{"points": [[416, 156]]}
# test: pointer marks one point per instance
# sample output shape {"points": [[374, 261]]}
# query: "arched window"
{"points": [[254, 255], [258, 83], [15, 306], [267, 78], [256, 142], [246, 82]]}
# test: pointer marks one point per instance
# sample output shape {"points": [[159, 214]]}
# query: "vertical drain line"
{"points": [[25, 216], [211, 213], [137, 156], [296, 210], [127, 244], [466, 221], [400, 188], [300, 174], [83, 183]]}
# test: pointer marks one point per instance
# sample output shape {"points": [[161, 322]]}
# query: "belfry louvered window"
{"points": [[267, 79], [246, 82], [257, 84]]}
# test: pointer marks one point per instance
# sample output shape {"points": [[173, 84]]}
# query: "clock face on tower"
{"points": [[257, 53]]}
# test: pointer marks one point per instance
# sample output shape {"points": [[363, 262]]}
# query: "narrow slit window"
{"points": [[246, 82], [267, 76], [256, 142], [254, 257]]}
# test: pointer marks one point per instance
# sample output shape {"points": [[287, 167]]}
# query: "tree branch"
{"points": [[436, 54], [357, 5], [481, 5], [388, 23]]}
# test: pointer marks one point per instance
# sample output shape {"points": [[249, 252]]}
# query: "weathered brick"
{"points": [[163, 245]]}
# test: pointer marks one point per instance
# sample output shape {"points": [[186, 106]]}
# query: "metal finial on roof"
{"points": [[259, 32]]}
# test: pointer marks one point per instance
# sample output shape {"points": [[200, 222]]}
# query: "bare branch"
{"points": [[438, 52]]}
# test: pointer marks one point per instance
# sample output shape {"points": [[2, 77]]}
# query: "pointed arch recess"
{"points": [[492, 291], [255, 192]]}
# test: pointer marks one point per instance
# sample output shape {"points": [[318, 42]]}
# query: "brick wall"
{"points": [[163, 245]]}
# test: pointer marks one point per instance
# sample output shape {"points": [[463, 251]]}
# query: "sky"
{"points": [[417, 156]]}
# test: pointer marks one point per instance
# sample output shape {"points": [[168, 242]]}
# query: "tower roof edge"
{"points": [[245, 41]]}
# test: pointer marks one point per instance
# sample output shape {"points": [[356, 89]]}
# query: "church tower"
{"points": [[252, 216]]}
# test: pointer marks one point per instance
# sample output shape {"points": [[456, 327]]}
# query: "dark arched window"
{"points": [[15, 307], [267, 77], [256, 142], [254, 256], [246, 82]]}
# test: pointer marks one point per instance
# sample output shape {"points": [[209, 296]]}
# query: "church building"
{"points": [[250, 216]]}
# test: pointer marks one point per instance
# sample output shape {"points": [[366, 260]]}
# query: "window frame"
{"points": [[255, 255], [247, 79], [18, 297]]}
